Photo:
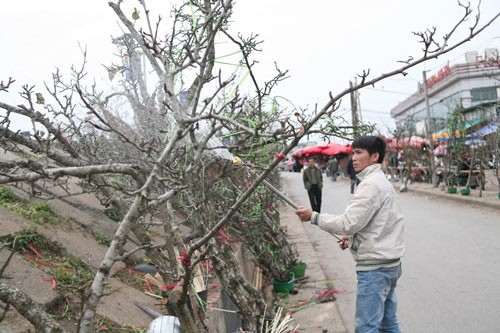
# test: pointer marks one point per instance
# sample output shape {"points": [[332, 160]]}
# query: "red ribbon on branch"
{"points": [[53, 281], [186, 262], [280, 156]]}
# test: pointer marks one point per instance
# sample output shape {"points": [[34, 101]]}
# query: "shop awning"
{"points": [[445, 132]]}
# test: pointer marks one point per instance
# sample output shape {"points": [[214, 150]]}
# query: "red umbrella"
{"points": [[311, 150], [336, 148], [298, 153]]}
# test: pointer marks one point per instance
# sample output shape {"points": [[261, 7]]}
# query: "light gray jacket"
{"points": [[373, 219]]}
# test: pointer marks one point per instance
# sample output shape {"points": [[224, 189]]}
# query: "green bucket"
{"points": [[465, 191], [299, 270], [284, 287], [452, 190]]}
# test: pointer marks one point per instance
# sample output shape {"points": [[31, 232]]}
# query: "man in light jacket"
{"points": [[372, 226]]}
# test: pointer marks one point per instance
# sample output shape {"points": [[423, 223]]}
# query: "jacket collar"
{"points": [[368, 170]]}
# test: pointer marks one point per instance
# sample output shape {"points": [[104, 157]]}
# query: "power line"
{"points": [[379, 112], [390, 91]]}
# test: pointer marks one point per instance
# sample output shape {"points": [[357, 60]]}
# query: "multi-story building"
{"points": [[472, 87]]}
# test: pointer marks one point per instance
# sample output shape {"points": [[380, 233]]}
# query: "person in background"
{"points": [[394, 165], [313, 182], [333, 168], [352, 174], [297, 167], [372, 226]]}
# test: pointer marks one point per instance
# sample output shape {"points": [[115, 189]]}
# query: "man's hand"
{"points": [[344, 242], [304, 213]]}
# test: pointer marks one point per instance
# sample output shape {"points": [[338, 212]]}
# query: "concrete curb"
{"points": [[489, 200]]}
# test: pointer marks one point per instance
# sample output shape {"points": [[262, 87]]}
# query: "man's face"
{"points": [[361, 159], [311, 163]]}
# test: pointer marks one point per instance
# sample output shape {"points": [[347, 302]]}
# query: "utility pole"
{"points": [[354, 111], [358, 101], [428, 130]]}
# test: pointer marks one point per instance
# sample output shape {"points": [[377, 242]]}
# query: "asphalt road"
{"points": [[451, 270]]}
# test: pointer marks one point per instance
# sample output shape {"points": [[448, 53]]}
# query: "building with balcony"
{"points": [[473, 87]]}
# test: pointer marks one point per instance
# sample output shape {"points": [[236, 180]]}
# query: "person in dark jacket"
{"points": [[352, 175], [313, 182], [333, 168], [297, 167]]}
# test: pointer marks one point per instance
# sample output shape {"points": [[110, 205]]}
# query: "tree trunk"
{"points": [[182, 311], [97, 288], [29, 309], [242, 293]]}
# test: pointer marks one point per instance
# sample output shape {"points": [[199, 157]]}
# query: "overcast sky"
{"points": [[323, 43]]}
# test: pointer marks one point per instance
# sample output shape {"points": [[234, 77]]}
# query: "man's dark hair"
{"points": [[373, 144]]}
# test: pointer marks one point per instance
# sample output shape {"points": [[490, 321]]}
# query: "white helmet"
{"points": [[165, 324]]}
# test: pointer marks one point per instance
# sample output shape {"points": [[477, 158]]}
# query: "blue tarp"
{"points": [[488, 129]]}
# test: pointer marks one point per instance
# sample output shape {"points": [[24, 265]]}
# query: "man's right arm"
{"points": [[360, 210]]}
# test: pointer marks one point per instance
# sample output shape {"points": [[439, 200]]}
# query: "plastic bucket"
{"points": [[299, 270], [284, 287]]}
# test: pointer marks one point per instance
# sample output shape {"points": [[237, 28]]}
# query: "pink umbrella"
{"points": [[416, 142], [409, 142], [440, 150]]}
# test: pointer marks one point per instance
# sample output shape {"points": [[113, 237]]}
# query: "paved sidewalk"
{"points": [[311, 315]]}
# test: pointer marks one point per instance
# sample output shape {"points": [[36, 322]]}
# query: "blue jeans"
{"points": [[376, 301]]}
